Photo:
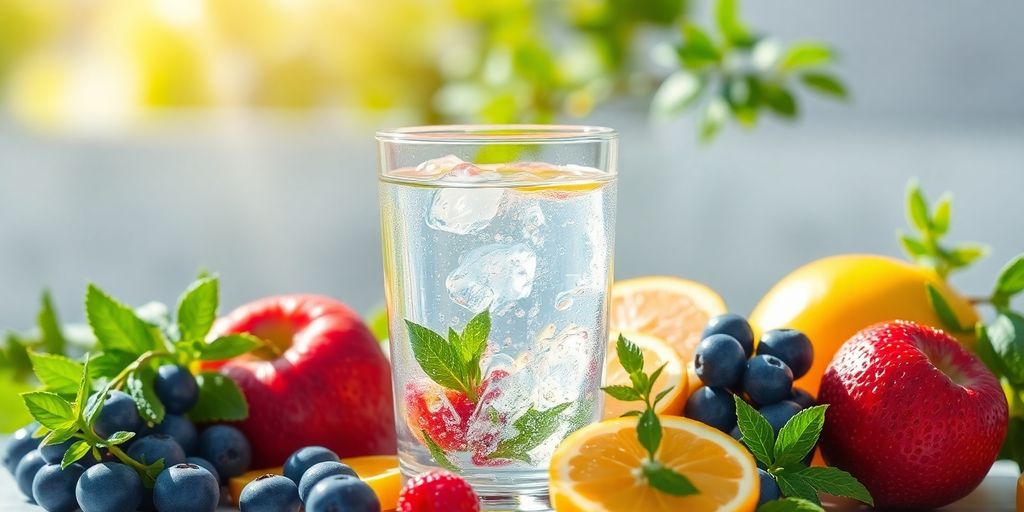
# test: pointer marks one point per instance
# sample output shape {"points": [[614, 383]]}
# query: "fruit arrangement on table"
{"points": [[286, 403]]}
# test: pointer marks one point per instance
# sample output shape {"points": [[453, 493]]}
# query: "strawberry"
{"points": [[912, 415], [437, 491], [446, 419]]}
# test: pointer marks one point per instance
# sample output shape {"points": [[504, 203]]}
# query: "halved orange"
{"points": [[656, 353], [380, 472], [671, 308], [597, 469]]}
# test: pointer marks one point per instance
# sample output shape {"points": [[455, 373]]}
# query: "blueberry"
{"points": [[186, 488], [26, 471], [318, 472], [110, 487], [181, 429], [54, 488], [176, 388], [779, 413], [304, 458], [802, 398], [719, 361], [118, 414], [205, 464], [270, 493], [734, 325], [767, 380], [712, 406], [342, 492], [227, 449], [20, 443], [154, 447], [791, 346], [769, 488]]}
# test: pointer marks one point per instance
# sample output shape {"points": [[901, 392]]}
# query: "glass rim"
{"points": [[497, 134]]}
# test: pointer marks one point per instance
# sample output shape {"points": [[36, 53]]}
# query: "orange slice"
{"points": [[596, 469], [656, 353], [380, 472]]}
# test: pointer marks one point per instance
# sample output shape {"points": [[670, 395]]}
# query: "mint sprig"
{"points": [[926, 247], [532, 429], [453, 363], [782, 457], [648, 428]]}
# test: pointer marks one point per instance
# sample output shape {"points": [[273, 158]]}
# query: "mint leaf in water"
{"points": [[532, 428], [440, 360], [197, 309], [219, 400], [799, 436], [115, 325], [756, 432], [438, 454], [474, 336], [57, 373]]}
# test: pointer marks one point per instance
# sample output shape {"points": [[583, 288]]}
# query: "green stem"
{"points": [[89, 436], [119, 380]]}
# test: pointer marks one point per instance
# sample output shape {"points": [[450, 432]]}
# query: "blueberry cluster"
{"points": [[727, 363], [195, 464], [314, 476]]}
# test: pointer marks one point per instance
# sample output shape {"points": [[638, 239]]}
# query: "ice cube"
{"points": [[494, 276], [438, 166], [531, 218], [464, 210]]}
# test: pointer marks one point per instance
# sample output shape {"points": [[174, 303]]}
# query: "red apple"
{"points": [[323, 379], [914, 416]]}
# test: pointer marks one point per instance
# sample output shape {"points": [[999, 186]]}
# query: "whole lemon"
{"points": [[831, 299]]}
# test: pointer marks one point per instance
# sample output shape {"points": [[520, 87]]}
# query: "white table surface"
{"points": [[996, 494]]}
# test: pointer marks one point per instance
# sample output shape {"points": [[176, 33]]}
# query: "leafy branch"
{"points": [[926, 247]]}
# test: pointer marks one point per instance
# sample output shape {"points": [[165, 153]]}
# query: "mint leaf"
{"points": [[799, 435], [59, 436], [115, 325], [84, 388], [661, 394], [49, 326], [917, 207], [109, 363], [630, 356], [438, 454], [941, 215], [57, 373], [1005, 334], [197, 309], [667, 480], [966, 254], [151, 472], [474, 336], [438, 358], [648, 431], [790, 505], [139, 386], [624, 393], [729, 24], [94, 405], [120, 437], [913, 247], [756, 432], [652, 379], [677, 93], [793, 486], [219, 400], [1011, 278], [532, 428], [944, 310], [805, 55], [228, 347], [49, 409], [833, 481], [74, 453]]}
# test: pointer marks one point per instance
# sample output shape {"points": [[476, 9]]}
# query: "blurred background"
{"points": [[141, 140]]}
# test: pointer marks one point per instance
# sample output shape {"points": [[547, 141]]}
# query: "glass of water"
{"points": [[497, 244]]}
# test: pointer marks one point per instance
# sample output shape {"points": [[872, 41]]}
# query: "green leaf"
{"points": [[941, 215], [84, 388], [667, 480], [438, 358], [228, 347], [729, 24], [806, 55], [677, 93], [474, 336], [1011, 279], [835, 482], [793, 486], [95, 405], [914, 247], [532, 428], [59, 436], [661, 394], [779, 100], [966, 254], [377, 321], [653, 378], [197, 309], [438, 454], [715, 114], [57, 373], [219, 400], [648, 431], [120, 437], [623, 393], [630, 356], [799, 435], [115, 325], [825, 84], [790, 505], [139, 386], [74, 453], [697, 50], [109, 363], [49, 409], [630, 414], [151, 472], [1006, 335], [756, 432], [49, 326], [987, 353], [944, 311], [16, 353]]}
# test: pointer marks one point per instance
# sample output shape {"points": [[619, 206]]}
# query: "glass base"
{"points": [[519, 490]]}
